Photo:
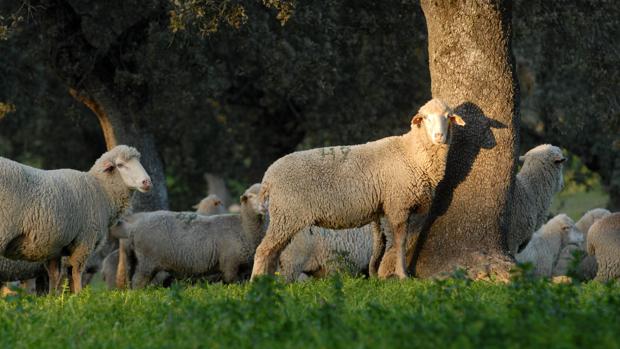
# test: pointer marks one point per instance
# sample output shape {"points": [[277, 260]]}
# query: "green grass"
{"points": [[576, 203], [332, 313]]}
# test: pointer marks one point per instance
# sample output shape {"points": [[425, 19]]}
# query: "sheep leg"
{"points": [[268, 251], [378, 247], [53, 273], [77, 261], [394, 259], [142, 277], [230, 272]]}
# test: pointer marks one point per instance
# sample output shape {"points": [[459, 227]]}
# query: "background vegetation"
{"points": [[227, 88]]}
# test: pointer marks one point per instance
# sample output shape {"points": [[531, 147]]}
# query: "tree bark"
{"points": [[472, 69]]}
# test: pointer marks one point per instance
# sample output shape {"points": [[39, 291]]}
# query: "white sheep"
{"points": [[186, 244], [537, 182], [351, 186], [604, 244], [545, 246], [586, 269], [65, 212], [211, 205]]}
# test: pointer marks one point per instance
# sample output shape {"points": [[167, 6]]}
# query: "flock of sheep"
{"points": [[315, 211]]}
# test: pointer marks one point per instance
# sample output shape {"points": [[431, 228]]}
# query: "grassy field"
{"points": [[341, 312]]}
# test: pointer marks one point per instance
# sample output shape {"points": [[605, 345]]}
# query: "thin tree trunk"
{"points": [[472, 69], [120, 128]]}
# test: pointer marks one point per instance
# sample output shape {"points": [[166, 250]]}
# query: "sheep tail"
{"points": [[263, 198]]}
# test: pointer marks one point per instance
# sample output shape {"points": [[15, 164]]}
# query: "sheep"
{"points": [[537, 182], [318, 251], [209, 206], [604, 244], [589, 218], [65, 212], [586, 269], [545, 246], [351, 186], [185, 244], [217, 186], [110, 267], [27, 272]]}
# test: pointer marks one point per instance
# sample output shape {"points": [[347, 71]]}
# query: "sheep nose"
{"points": [[146, 184], [438, 137]]}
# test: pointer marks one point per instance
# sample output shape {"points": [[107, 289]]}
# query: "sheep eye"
{"points": [[120, 165]]}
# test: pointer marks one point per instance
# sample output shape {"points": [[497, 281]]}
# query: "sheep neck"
{"points": [[424, 155], [118, 195], [252, 224]]}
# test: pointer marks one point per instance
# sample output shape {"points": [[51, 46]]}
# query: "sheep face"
{"points": [[437, 118], [132, 173], [250, 199], [207, 204]]}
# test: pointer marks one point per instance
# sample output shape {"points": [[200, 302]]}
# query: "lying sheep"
{"points": [[318, 251], [589, 218], [537, 182], [211, 205], [586, 269], [351, 186], [545, 246], [65, 212], [185, 244], [604, 244]]}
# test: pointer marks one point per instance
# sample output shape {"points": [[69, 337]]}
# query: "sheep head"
{"points": [[126, 161], [437, 118], [549, 156], [568, 229], [210, 202], [250, 198]]}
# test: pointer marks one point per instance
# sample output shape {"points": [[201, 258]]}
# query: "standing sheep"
{"points": [[538, 181], [350, 186], [65, 212], [604, 244], [211, 205], [586, 269], [185, 244], [545, 246]]}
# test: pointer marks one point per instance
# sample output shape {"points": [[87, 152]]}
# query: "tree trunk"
{"points": [[120, 128], [472, 69]]}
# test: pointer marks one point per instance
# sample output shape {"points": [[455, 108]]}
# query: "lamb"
{"points": [[351, 186], [537, 182], [211, 205], [586, 269], [65, 212], [604, 244], [110, 267], [185, 244], [545, 246]]}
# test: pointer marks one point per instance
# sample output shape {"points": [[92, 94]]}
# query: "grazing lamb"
{"points": [[351, 186], [110, 267], [586, 269], [545, 246], [604, 244], [211, 205], [65, 212], [11, 270], [185, 244], [538, 181]]}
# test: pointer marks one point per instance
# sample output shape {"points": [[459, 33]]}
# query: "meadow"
{"points": [[339, 312]]}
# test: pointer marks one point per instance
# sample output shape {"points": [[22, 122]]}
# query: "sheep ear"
{"points": [[417, 119], [107, 166], [457, 119], [243, 198], [521, 158], [195, 207]]}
